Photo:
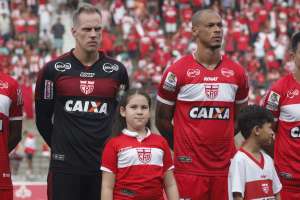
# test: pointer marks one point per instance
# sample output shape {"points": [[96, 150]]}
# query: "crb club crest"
{"points": [[87, 87], [211, 91], [144, 154], [265, 187]]}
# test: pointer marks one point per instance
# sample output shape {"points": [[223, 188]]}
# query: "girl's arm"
{"points": [[277, 196], [171, 186], [108, 183]]}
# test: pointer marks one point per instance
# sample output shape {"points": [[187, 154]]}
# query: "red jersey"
{"points": [[204, 113], [139, 165], [283, 100], [10, 109]]}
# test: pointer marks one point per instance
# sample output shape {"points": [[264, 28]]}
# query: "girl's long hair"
{"points": [[120, 122]]}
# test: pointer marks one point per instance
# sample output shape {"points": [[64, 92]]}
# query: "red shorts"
{"points": [[193, 187], [6, 194]]}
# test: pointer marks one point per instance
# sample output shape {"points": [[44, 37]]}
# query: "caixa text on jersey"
{"points": [[207, 112], [86, 106]]}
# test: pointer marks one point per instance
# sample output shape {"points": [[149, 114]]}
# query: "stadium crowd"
{"points": [[149, 35]]}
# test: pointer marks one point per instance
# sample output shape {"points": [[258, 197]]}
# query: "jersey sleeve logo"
{"points": [[273, 101], [227, 72], [193, 73], [87, 87], [48, 90], [211, 91], [292, 93], [144, 154], [170, 82], [109, 68], [61, 67]]}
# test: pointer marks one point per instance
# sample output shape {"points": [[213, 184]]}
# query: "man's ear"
{"points": [[73, 30], [194, 31]]}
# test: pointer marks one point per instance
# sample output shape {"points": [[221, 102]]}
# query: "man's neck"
{"points": [[86, 58], [207, 57], [297, 74]]}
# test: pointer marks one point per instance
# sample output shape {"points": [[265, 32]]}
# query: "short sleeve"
{"points": [[109, 157], [236, 177], [169, 86]]}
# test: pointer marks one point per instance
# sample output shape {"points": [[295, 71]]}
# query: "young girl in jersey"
{"points": [[137, 164]]}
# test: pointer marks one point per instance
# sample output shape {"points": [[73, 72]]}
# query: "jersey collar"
{"points": [[136, 135]]}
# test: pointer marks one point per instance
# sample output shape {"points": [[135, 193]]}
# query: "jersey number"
{"points": [[295, 132]]}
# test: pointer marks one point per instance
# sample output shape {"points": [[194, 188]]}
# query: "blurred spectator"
{"points": [[29, 149], [16, 156], [58, 31], [5, 26]]}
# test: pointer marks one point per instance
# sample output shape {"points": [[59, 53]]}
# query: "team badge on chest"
{"points": [[87, 87], [211, 91], [144, 154]]}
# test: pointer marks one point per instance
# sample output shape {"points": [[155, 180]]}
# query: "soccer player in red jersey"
{"points": [[202, 93], [137, 164], [283, 99], [11, 110]]}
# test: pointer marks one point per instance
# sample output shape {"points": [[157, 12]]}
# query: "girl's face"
{"points": [[136, 113]]}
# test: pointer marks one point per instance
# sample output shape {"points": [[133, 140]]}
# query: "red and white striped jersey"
{"points": [[139, 165], [252, 178], [204, 113], [283, 100], [11, 104]]}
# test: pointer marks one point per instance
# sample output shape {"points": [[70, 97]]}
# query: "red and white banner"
{"points": [[30, 190]]}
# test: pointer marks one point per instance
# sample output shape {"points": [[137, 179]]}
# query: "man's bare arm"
{"points": [[163, 120]]}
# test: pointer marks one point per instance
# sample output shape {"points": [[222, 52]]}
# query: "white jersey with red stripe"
{"points": [[139, 165], [204, 113], [283, 100], [10, 109], [252, 178]]}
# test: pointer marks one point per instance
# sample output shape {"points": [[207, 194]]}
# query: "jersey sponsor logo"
{"points": [[217, 113], [6, 175], [87, 87], [56, 156], [295, 132], [19, 97], [273, 101], [286, 175], [193, 72], [210, 78], [48, 90], [3, 84], [227, 72], [184, 159], [265, 187], [86, 106], [127, 192], [170, 82], [144, 154], [109, 68], [292, 93], [211, 91], [61, 67], [87, 74]]}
